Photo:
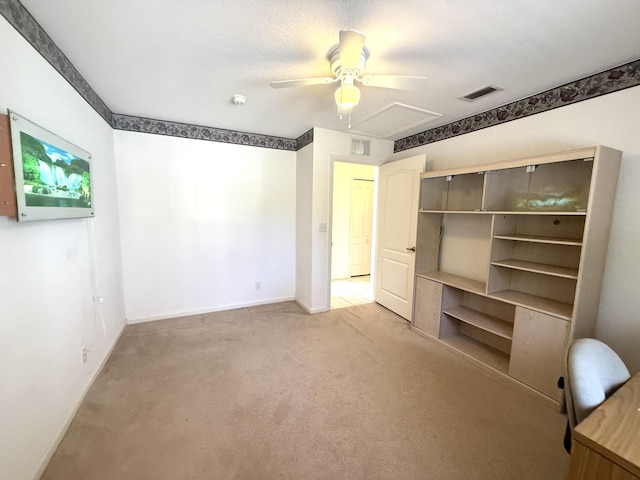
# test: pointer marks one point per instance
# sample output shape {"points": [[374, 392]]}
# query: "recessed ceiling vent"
{"points": [[480, 92]]}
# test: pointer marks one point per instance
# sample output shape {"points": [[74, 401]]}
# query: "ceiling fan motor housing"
{"points": [[341, 72]]}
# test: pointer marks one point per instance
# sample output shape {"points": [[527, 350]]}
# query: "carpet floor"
{"points": [[271, 392]]}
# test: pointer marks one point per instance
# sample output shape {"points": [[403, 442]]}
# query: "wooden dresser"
{"points": [[607, 443]]}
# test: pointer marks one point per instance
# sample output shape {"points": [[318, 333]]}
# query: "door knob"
{"points": [[413, 249]]}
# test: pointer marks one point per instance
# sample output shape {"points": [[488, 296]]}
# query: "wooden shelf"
{"points": [[538, 239], [540, 304], [480, 320], [479, 351], [454, 211], [462, 283], [537, 212], [541, 268], [509, 212]]}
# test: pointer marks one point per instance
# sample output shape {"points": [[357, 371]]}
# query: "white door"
{"points": [[398, 197], [361, 222]]}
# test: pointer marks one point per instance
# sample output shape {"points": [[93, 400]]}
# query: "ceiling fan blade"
{"points": [[400, 82], [301, 82], [351, 44]]}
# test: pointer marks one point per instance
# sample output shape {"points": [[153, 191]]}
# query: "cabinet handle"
{"points": [[413, 249]]}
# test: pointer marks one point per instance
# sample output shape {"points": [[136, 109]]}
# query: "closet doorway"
{"points": [[352, 233]]}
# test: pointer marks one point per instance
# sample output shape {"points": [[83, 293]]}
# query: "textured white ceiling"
{"points": [[182, 60]]}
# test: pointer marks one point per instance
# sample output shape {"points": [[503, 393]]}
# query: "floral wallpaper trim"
{"points": [[175, 129], [609, 81], [304, 139], [18, 16]]}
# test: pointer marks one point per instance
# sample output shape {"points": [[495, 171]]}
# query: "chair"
{"points": [[593, 373]]}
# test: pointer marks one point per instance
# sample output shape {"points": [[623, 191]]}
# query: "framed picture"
{"points": [[53, 176]]}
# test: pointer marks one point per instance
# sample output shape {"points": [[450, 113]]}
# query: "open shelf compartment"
{"points": [[482, 321], [539, 239], [454, 248], [478, 326], [479, 351], [541, 268], [533, 302], [547, 228]]}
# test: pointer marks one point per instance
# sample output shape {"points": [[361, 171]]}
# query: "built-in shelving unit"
{"points": [[510, 257]]}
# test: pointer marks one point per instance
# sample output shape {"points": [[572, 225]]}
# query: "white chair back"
{"points": [[594, 372]]}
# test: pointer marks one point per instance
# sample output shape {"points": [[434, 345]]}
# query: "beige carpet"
{"points": [[271, 392]]}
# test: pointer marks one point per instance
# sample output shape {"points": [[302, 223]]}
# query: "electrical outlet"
{"points": [[322, 228], [85, 354], [258, 286]]}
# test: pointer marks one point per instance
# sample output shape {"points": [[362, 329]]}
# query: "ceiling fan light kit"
{"points": [[347, 95], [347, 61]]}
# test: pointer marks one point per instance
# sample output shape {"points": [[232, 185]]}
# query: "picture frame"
{"points": [[53, 177]]}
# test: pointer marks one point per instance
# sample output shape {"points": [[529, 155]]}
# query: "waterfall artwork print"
{"points": [[53, 176]]}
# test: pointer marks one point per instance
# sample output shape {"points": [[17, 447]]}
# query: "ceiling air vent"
{"points": [[480, 92], [360, 147]]}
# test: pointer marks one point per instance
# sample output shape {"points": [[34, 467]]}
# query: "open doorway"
{"points": [[352, 234]]}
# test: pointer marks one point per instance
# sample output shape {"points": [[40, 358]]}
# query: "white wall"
{"points": [[329, 146], [343, 176], [201, 223], [50, 272], [304, 198], [612, 120]]}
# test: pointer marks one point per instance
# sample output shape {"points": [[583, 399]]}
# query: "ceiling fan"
{"points": [[347, 61]]}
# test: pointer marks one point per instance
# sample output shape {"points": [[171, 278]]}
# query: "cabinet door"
{"points": [[428, 306], [538, 350]]}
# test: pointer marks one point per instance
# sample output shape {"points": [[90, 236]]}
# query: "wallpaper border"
{"points": [[19, 17], [609, 81], [305, 139], [176, 129]]}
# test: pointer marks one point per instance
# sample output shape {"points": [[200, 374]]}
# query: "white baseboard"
{"points": [[309, 309], [53, 445], [187, 313]]}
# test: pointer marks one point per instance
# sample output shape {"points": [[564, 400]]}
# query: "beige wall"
{"points": [[612, 120]]}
